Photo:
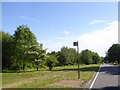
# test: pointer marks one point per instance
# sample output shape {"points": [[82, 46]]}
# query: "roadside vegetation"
{"points": [[25, 63], [49, 79], [113, 54], [21, 52]]}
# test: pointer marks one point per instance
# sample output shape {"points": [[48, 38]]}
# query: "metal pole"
{"points": [[78, 61]]}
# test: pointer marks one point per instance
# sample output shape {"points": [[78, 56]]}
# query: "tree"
{"points": [[96, 58], [113, 53], [23, 38], [86, 56], [89, 57], [67, 56], [37, 55], [21, 50], [7, 51], [51, 61]]}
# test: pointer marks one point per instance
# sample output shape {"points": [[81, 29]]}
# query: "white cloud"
{"points": [[98, 41], [28, 18], [97, 21], [66, 32]]}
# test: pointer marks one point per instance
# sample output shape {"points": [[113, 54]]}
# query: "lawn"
{"points": [[49, 79]]}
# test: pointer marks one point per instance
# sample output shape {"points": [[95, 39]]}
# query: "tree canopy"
{"points": [[51, 61], [21, 51], [67, 56], [113, 53], [7, 51], [16, 49], [89, 57]]}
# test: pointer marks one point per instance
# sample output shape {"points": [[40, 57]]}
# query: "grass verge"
{"points": [[41, 79]]}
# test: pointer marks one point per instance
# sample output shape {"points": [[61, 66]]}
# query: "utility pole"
{"points": [[76, 44]]}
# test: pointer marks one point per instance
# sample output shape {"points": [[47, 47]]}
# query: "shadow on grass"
{"points": [[21, 71], [92, 68], [113, 70]]}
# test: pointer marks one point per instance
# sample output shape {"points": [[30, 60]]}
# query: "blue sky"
{"points": [[59, 24]]}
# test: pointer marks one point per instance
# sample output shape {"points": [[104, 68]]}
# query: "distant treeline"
{"points": [[21, 51]]}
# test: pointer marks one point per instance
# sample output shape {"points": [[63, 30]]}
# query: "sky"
{"points": [[56, 24], [60, 0]]}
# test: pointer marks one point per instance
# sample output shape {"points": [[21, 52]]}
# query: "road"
{"points": [[107, 78]]}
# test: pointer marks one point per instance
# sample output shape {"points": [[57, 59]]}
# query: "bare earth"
{"points": [[67, 83]]}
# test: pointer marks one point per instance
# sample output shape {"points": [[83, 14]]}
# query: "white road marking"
{"points": [[95, 77]]}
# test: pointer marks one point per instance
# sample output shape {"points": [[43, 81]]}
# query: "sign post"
{"points": [[76, 44]]}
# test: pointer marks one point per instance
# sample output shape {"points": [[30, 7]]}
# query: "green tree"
{"points": [[89, 57], [96, 58], [67, 56], [86, 56], [17, 50], [37, 55], [23, 38], [73, 56], [7, 51], [113, 53], [51, 61]]}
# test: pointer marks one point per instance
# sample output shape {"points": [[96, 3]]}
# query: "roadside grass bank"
{"points": [[49, 79]]}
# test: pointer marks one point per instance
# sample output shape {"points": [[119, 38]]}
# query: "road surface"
{"points": [[107, 78]]}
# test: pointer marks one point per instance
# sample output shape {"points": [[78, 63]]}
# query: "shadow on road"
{"points": [[106, 88], [112, 70]]}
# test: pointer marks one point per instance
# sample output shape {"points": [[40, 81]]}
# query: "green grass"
{"points": [[118, 64], [40, 79]]}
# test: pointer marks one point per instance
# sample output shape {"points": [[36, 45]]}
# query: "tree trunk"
{"points": [[37, 68], [118, 61], [37, 65], [23, 67]]}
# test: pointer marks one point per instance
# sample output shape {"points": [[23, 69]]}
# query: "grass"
{"points": [[116, 64], [41, 79]]}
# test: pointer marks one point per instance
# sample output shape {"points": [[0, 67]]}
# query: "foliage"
{"points": [[7, 51], [22, 51], [37, 55], [89, 57], [113, 53], [24, 38], [96, 58], [51, 61], [86, 56], [16, 50], [67, 56]]}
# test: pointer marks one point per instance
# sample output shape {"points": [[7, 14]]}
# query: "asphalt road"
{"points": [[107, 78]]}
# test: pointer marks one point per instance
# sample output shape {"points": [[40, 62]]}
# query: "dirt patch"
{"points": [[25, 81], [68, 83]]}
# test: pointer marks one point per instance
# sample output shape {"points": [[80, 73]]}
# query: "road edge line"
{"points": [[95, 77]]}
